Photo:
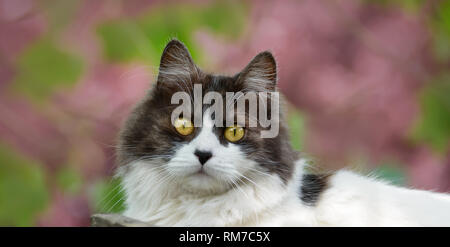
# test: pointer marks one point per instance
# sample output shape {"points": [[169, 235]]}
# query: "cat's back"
{"points": [[349, 199]]}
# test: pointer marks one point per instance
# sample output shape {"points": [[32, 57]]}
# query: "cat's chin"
{"points": [[204, 184]]}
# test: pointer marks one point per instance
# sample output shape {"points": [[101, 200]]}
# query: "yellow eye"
{"points": [[234, 133], [184, 126]]}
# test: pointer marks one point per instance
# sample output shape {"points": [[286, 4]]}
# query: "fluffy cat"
{"points": [[202, 179]]}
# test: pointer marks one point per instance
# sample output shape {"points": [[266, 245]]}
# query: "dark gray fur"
{"points": [[312, 187]]}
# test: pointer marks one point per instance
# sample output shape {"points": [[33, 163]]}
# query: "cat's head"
{"points": [[204, 158]]}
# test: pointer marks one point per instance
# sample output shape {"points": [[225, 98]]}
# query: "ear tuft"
{"points": [[261, 73], [176, 62]]}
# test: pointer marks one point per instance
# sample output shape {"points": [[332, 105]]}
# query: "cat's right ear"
{"points": [[176, 64]]}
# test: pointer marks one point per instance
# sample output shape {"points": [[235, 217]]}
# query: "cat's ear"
{"points": [[260, 74], [176, 63]]}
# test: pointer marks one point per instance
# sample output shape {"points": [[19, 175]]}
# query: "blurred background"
{"points": [[367, 81]]}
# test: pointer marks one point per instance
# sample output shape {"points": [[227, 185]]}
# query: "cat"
{"points": [[199, 176]]}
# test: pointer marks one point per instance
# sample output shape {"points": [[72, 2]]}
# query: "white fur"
{"points": [[235, 193], [354, 200]]}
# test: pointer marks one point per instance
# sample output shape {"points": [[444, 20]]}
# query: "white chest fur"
{"points": [[349, 200]]}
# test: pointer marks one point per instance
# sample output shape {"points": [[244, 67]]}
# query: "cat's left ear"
{"points": [[260, 74]]}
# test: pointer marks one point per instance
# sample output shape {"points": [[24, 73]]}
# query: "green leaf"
{"points": [[69, 180], [44, 67], [441, 47], [108, 197], [441, 31], [123, 41], [225, 17], [143, 38], [296, 124], [443, 16], [412, 5], [23, 193], [434, 123]]}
